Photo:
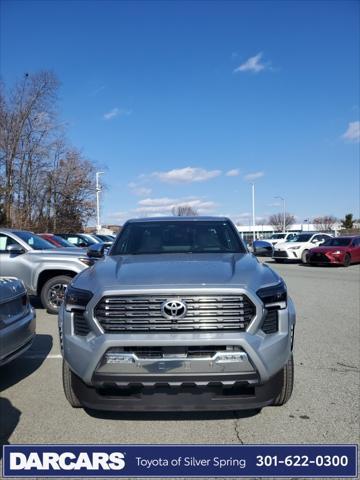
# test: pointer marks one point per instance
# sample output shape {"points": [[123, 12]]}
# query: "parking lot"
{"points": [[324, 407]]}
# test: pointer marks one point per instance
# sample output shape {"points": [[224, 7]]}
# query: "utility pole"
{"points": [[98, 190], [284, 213], [253, 209]]}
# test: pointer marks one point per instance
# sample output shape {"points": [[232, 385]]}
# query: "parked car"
{"points": [[56, 240], [336, 251], [298, 247], [178, 316], [79, 239], [45, 270], [105, 238], [17, 319]]}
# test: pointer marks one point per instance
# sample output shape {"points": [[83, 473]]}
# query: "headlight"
{"points": [[87, 261], [294, 248], [76, 299], [274, 296]]}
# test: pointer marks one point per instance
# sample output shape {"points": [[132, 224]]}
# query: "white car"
{"points": [[280, 237], [298, 247]]}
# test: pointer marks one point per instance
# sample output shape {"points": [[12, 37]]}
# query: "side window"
{"points": [[73, 240], [5, 242]]}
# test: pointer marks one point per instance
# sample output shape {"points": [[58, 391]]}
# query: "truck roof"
{"points": [[178, 219]]}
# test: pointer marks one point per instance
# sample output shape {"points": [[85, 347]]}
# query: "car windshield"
{"points": [[178, 237], [277, 236], [301, 237], [34, 241], [62, 241], [337, 242]]}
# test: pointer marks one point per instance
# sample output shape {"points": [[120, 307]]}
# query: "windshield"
{"points": [[337, 242], [34, 241], [177, 237], [301, 237], [277, 235], [62, 241]]}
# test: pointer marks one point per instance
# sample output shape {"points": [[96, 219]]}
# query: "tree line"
{"points": [[46, 184]]}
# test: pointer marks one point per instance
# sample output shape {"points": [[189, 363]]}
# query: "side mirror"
{"points": [[96, 250], [15, 250]]}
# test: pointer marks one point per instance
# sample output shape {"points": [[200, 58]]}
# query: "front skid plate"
{"points": [[184, 398]]}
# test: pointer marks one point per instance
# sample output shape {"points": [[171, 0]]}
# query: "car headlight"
{"points": [[274, 296], [76, 299], [87, 261], [294, 248]]}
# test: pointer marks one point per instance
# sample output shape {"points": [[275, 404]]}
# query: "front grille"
{"points": [[81, 326], [271, 322], [280, 253], [13, 310], [138, 313], [318, 257]]}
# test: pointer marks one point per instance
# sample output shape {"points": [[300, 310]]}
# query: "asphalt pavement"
{"points": [[324, 407]]}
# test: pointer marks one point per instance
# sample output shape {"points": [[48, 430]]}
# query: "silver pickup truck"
{"points": [[44, 269], [178, 316]]}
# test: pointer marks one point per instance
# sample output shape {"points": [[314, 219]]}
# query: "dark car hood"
{"points": [[177, 271]]}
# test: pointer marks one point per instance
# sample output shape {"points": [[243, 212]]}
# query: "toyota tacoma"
{"points": [[178, 316]]}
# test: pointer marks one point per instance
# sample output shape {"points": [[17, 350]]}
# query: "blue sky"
{"points": [[187, 102]]}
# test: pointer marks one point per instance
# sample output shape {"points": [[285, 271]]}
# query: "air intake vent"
{"points": [[271, 322], [81, 326]]}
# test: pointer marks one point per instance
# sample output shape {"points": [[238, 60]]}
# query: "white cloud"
{"points": [[233, 173], [115, 112], [252, 64], [186, 175], [164, 205], [254, 176], [139, 190], [352, 133]]}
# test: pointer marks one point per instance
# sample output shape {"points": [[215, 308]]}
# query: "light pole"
{"points": [[253, 209], [284, 214], [98, 190]]}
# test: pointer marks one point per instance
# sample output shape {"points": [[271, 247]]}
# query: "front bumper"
{"points": [[287, 254], [17, 337], [186, 397], [249, 381], [325, 259]]}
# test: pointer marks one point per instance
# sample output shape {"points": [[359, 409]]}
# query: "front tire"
{"points": [[53, 291], [347, 260], [288, 383], [304, 256], [67, 377]]}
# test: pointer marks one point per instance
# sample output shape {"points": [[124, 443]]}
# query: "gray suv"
{"points": [[45, 270], [178, 316]]}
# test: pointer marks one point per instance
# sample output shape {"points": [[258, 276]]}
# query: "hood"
{"points": [[63, 252], [10, 287], [286, 245], [328, 249], [177, 271]]}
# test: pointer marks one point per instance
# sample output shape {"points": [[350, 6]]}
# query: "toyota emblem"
{"points": [[174, 309]]}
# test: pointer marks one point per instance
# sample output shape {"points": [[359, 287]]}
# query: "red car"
{"points": [[336, 251], [55, 240]]}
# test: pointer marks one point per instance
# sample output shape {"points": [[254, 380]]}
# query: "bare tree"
{"points": [[184, 211], [325, 223], [45, 184], [277, 221]]}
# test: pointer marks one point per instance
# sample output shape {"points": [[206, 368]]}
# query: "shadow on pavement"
{"points": [[36, 302], [178, 416], [22, 367], [9, 418]]}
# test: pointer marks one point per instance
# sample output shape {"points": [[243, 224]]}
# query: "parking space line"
{"points": [[37, 356]]}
